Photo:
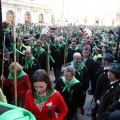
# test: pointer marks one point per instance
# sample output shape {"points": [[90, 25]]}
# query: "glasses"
{"points": [[68, 76], [38, 45]]}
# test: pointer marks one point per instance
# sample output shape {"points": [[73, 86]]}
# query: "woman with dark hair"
{"points": [[42, 100]]}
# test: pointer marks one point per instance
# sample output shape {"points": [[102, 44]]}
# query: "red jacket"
{"points": [[23, 85], [40, 111]]}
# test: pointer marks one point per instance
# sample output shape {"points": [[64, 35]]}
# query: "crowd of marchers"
{"points": [[79, 56]]}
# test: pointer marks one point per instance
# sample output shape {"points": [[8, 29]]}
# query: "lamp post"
{"points": [[1, 30]]}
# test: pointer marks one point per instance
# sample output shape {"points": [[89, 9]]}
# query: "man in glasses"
{"points": [[71, 90], [41, 55]]}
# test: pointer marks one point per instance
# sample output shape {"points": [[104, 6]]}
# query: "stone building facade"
{"points": [[25, 11], [84, 12]]}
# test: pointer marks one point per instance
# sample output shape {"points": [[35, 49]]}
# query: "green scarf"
{"points": [[57, 48], [76, 48], [43, 98], [6, 31], [96, 57], [68, 85], [63, 43], [21, 74], [45, 46], [20, 47], [80, 67], [28, 62], [39, 52]]}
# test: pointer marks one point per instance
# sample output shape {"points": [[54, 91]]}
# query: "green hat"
{"points": [[109, 57], [114, 67], [11, 112]]}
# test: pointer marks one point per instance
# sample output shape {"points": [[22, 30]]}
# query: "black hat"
{"points": [[109, 57], [37, 36], [108, 50], [114, 67]]}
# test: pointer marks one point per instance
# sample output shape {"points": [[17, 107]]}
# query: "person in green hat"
{"points": [[112, 91], [11, 112]]}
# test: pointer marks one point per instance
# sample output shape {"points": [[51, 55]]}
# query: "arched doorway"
{"points": [[10, 17], [27, 18], [40, 18]]}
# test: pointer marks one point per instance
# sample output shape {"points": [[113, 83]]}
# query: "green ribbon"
{"points": [[50, 56], [80, 67], [45, 46], [39, 52], [28, 62], [20, 52], [50, 111], [21, 74], [32, 46], [57, 48], [13, 43], [18, 31], [62, 44], [40, 99], [4, 46], [20, 47], [68, 85]]}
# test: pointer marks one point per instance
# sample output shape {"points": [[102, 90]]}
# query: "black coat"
{"points": [[76, 101], [112, 112], [42, 60], [109, 97], [58, 57], [83, 77], [102, 84], [70, 54], [35, 66], [90, 63]]}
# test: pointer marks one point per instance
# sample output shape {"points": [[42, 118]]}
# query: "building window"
{"points": [[27, 17], [41, 18]]}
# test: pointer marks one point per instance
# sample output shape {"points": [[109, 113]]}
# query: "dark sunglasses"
{"points": [[38, 45]]}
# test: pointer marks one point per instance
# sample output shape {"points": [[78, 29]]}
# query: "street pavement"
{"points": [[87, 106]]}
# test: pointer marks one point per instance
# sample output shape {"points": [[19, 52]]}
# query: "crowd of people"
{"points": [[84, 59]]}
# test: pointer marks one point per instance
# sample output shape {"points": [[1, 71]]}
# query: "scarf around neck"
{"points": [[39, 52], [69, 85], [76, 48], [6, 31], [80, 67], [21, 74], [40, 99], [57, 48], [45, 45], [28, 62]]}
